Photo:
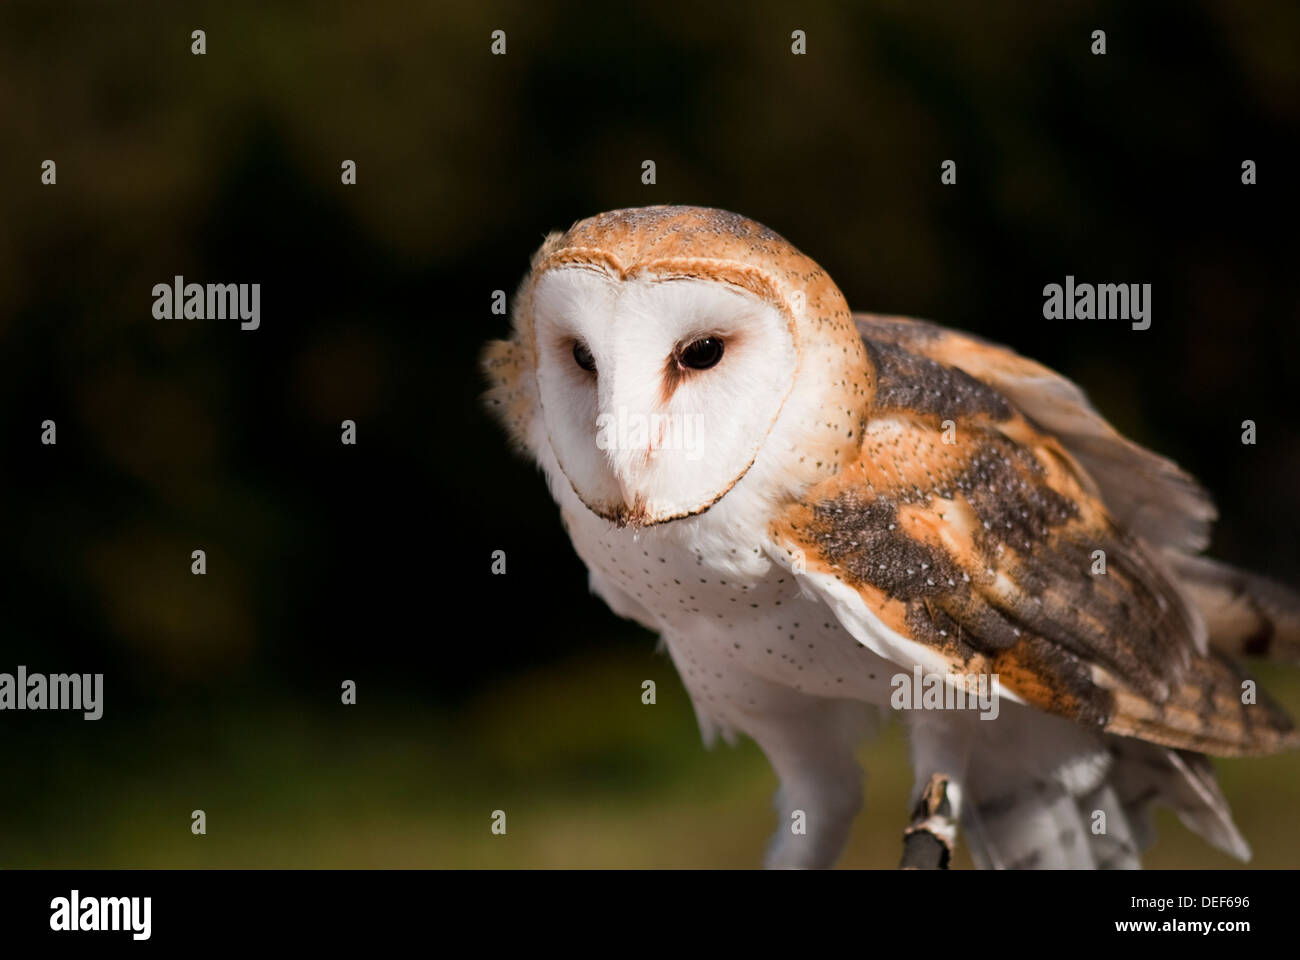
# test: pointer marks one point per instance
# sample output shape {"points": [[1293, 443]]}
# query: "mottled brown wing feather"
{"points": [[965, 528], [1147, 494]]}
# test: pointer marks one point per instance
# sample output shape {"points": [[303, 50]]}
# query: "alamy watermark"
{"points": [[213, 301], [953, 691], [1102, 301], [58, 691], [655, 431], [76, 913]]}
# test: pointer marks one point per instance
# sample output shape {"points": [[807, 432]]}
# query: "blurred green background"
{"points": [[372, 563]]}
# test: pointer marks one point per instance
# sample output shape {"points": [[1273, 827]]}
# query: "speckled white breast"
{"points": [[727, 612]]}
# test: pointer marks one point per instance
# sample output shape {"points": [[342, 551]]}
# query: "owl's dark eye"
{"points": [[582, 357], [701, 354]]}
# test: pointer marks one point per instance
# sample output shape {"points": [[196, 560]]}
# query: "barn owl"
{"points": [[812, 506]]}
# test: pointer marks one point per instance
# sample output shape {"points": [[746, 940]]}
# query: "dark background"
{"points": [[372, 563]]}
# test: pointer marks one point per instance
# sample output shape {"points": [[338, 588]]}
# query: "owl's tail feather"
{"points": [[1039, 792], [1045, 826], [1144, 774], [1058, 823], [1245, 614]]}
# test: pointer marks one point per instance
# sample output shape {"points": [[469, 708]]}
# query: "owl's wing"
{"points": [[1148, 495], [966, 539]]}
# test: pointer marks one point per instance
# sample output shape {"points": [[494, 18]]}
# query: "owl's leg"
{"points": [[941, 744], [810, 744], [809, 741]]}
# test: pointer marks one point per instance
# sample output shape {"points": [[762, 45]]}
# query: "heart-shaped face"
{"points": [[656, 390]]}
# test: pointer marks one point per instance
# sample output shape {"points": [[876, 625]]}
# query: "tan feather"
{"points": [[1147, 494], [965, 527]]}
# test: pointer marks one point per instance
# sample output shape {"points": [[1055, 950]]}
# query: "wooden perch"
{"points": [[929, 840]]}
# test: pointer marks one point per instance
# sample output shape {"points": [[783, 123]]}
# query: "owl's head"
{"points": [[657, 352]]}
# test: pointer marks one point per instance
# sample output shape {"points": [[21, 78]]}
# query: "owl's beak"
{"points": [[633, 514], [634, 508], [637, 510]]}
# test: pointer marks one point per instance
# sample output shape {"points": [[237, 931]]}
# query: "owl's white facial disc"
{"points": [[654, 432]]}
